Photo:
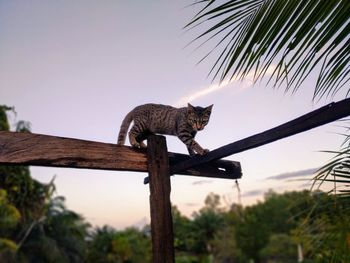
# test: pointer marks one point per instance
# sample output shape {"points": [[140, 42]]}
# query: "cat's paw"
{"points": [[192, 154], [143, 145], [136, 145], [205, 151]]}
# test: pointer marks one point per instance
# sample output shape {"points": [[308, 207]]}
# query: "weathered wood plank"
{"points": [[321, 116], [217, 169], [45, 150], [159, 185]]}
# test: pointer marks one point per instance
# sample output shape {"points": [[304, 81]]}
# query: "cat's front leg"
{"points": [[198, 149], [192, 146], [134, 135], [190, 151]]}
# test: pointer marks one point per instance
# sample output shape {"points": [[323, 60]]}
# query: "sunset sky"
{"points": [[75, 68]]}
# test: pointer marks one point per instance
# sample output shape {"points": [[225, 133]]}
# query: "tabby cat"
{"points": [[156, 118]]}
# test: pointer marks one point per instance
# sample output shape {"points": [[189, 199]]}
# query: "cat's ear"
{"points": [[209, 108], [190, 108]]}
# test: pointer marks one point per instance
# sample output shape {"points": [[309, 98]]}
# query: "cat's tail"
{"points": [[124, 127]]}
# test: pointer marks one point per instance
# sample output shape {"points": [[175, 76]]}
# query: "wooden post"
{"points": [[159, 184]]}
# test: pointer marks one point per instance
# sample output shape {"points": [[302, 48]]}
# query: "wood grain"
{"points": [[159, 184], [44, 150], [53, 151]]}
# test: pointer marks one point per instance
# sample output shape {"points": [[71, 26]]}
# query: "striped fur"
{"points": [[161, 119]]}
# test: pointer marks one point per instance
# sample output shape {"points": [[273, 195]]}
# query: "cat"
{"points": [[162, 119]]}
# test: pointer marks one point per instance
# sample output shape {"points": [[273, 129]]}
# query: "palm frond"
{"points": [[337, 171], [290, 38]]}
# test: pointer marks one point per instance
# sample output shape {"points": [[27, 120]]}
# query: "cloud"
{"points": [[239, 85], [202, 182], [254, 193], [306, 185], [299, 173], [202, 92], [191, 204], [141, 223]]}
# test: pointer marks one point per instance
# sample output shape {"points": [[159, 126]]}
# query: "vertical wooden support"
{"points": [[159, 184]]}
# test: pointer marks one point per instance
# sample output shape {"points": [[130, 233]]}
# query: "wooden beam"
{"points": [[159, 185], [321, 116], [44, 150], [224, 169]]}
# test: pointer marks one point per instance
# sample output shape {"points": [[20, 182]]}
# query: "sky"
{"points": [[76, 68]]}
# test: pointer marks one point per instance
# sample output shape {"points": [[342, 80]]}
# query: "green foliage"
{"points": [[194, 238], [279, 249], [58, 236], [6, 244], [111, 246], [8, 250], [274, 215], [205, 226], [34, 227], [26, 194], [225, 246], [4, 124], [324, 233], [337, 171], [182, 226], [10, 216], [269, 231]]}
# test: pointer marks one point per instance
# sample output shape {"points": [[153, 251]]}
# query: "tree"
{"points": [[206, 224], [21, 198], [34, 226], [259, 227], [59, 236], [194, 239], [110, 245], [324, 232], [182, 226], [225, 246], [9, 219], [280, 249]]}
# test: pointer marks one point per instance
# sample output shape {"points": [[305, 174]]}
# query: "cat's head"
{"points": [[198, 117]]}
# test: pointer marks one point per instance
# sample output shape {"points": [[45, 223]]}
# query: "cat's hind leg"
{"points": [[137, 136], [134, 133], [142, 137]]}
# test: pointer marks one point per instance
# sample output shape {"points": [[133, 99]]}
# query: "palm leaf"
{"points": [[295, 38], [337, 171]]}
